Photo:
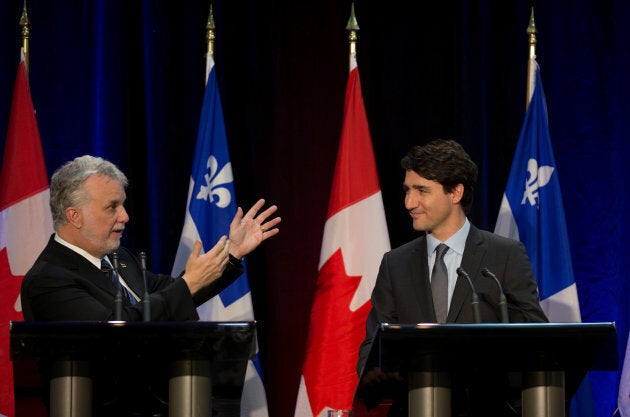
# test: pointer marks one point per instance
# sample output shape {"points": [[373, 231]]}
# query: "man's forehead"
{"points": [[414, 179], [104, 187]]}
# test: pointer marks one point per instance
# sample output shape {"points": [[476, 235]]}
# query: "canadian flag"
{"points": [[355, 239], [25, 221]]}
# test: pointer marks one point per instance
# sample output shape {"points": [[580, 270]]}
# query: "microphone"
{"points": [[146, 302], [502, 301], [474, 298], [118, 298]]}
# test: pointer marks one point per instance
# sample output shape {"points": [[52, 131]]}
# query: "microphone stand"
{"points": [[146, 302], [118, 297], [474, 298], [502, 300]]}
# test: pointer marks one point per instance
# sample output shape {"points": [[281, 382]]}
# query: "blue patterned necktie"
{"points": [[107, 268], [439, 284]]}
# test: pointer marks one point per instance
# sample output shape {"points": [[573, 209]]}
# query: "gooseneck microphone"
{"points": [[502, 300], [146, 302], [118, 298], [474, 298]]}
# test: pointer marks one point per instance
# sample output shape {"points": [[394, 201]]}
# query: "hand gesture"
{"points": [[249, 231], [202, 270]]}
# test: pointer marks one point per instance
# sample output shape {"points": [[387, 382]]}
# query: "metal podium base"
{"points": [[190, 389], [429, 394], [543, 394], [70, 389]]}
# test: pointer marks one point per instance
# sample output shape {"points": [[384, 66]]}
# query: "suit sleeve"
{"points": [[383, 310], [171, 299], [233, 270], [520, 288], [52, 292]]}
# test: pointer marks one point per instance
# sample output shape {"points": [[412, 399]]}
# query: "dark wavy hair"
{"points": [[444, 161]]}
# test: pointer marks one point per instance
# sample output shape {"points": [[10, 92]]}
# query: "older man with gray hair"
{"points": [[67, 281]]}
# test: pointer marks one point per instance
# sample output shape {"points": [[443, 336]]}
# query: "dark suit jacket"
{"points": [[64, 286], [402, 293]]}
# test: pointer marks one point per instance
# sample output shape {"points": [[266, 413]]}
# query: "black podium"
{"points": [[191, 368], [550, 360]]}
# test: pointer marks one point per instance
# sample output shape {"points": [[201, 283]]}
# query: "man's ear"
{"points": [[74, 217], [457, 193]]}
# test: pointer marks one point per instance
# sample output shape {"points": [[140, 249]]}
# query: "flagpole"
{"points": [[209, 42], [353, 28], [354, 241], [25, 35], [26, 223], [531, 62]]}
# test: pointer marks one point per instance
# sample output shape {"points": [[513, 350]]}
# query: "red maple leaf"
{"points": [[335, 334], [9, 292]]}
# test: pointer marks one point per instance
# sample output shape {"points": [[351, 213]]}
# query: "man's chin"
{"points": [[420, 227], [114, 245]]}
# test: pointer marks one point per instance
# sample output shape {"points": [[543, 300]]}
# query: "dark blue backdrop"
{"points": [[124, 80]]}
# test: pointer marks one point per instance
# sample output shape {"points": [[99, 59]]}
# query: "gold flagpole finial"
{"points": [[210, 32], [26, 33], [353, 28], [531, 64], [531, 31], [210, 43]]}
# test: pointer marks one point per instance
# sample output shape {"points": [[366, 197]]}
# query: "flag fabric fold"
{"points": [[532, 212], [355, 239], [210, 208], [25, 220], [623, 397]]}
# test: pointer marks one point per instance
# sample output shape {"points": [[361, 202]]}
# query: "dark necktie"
{"points": [[106, 267], [439, 284]]}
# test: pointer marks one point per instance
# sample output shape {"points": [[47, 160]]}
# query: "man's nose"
{"points": [[123, 216], [410, 202]]}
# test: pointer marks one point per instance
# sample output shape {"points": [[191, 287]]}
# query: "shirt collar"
{"points": [[93, 259], [457, 242]]}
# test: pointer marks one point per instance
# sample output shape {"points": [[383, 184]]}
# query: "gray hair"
{"points": [[66, 184]]}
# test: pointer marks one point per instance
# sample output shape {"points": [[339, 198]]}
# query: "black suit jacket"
{"points": [[402, 293], [64, 286]]}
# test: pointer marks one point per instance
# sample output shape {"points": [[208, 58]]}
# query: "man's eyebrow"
{"points": [[416, 187], [116, 201]]}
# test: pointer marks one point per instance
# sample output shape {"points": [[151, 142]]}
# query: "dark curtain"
{"points": [[124, 80]]}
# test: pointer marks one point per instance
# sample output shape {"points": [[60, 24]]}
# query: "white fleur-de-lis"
{"points": [[538, 178], [211, 191]]}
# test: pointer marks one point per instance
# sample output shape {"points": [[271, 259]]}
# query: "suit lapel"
{"points": [[133, 281], [66, 258], [474, 252], [421, 281]]}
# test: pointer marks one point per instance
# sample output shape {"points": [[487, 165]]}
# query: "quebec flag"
{"points": [[532, 212], [210, 208]]}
